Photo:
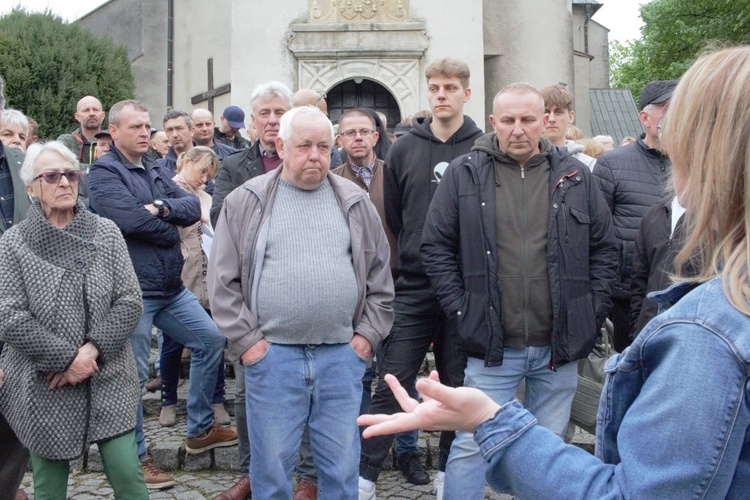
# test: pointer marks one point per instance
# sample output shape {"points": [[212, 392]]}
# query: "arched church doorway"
{"points": [[362, 93]]}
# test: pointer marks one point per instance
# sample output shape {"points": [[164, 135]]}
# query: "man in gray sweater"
{"points": [[301, 287]]}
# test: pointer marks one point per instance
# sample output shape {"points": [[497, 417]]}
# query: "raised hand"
{"points": [[443, 408]]}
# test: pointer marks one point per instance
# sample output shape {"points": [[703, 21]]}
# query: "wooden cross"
{"points": [[211, 92]]}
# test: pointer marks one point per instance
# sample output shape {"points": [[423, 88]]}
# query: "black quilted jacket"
{"points": [[631, 178]]}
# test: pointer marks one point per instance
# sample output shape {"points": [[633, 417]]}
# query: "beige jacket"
{"points": [[239, 246], [191, 244]]}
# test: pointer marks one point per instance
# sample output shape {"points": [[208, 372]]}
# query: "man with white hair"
{"points": [[302, 290], [269, 101], [14, 129]]}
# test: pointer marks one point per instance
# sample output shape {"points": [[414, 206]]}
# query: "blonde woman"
{"points": [[196, 167], [674, 419]]}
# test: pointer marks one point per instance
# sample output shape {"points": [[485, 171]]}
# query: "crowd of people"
{"points": [[312, 257]]}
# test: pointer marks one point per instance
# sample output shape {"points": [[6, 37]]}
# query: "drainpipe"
{"points": [[170, 52], [589, 13]]}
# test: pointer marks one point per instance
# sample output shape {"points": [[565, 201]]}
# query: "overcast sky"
{"points": [[620, 16]]}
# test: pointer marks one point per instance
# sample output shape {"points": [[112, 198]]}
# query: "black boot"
{"points": [[412, 467]]}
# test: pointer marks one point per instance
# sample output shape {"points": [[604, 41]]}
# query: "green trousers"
{"points": [[121, 466]]}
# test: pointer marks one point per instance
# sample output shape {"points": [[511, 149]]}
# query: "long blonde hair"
{"points": [[707, 136]]}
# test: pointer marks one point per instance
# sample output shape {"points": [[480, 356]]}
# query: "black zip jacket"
{"points": [[459, 254]]}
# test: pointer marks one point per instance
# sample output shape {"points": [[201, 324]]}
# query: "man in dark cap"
{"points": [[632, 180], [228, 133], [103, 142]]}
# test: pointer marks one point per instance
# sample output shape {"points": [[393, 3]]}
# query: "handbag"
{"points": [[591, 378]]}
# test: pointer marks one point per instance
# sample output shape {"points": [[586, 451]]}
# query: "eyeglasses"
{"points": [[73, 176], [364, 132], [321, 95]]}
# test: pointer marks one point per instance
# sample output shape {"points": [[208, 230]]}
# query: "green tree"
{"points": [[674, 34], [49, 65]]}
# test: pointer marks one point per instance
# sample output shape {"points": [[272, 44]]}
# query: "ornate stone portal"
{"points": [[360, 39]]}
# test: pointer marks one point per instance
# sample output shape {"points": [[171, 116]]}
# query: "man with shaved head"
{"points": [[519, 246], [203, 133], [82, 141]]}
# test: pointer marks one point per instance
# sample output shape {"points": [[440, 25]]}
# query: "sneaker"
{"points": [[216, 437], [437, 486], [154, 384], [221, 416], [412, 468], [167, 417], [366, 495], [155, 478]]}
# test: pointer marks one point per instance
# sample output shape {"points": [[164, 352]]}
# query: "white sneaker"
{"points": [[437, 487], [366, 495]]}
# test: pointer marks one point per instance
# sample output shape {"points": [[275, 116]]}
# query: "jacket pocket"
{"points": [[581, 327], [471, 322], [576, 235]]}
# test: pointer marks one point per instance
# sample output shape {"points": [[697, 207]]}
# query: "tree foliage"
{"points": [[49, 65], [674, 34]]}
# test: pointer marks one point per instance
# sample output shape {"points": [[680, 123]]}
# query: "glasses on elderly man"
{"points": [[73, 176], [364, 132]]}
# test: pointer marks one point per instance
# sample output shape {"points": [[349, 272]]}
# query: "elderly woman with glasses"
{"points": [[69, 301]]}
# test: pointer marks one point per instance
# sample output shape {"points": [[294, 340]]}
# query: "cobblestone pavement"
{"points": [[205, 484], [203, 476]]}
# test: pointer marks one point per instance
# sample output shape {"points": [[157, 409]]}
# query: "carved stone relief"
{"points": [[358, 11]]}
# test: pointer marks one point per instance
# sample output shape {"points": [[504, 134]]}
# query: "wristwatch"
{"points": [[162, 208]]}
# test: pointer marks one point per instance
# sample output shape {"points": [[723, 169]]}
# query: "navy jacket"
{"points": [[459, 253], [119, 190]]}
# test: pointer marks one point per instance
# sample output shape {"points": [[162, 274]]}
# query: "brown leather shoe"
{"points": [[305, 490], [216, 437], [154, 384], [240, 491]]}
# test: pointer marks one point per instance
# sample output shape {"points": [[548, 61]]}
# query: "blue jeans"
{"points": [[296, 384], [171, 362], [549, 395], [181, 317]]}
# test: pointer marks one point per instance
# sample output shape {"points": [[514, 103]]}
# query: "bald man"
{"points": [[309, 97], [82, 141], [203, 133]]}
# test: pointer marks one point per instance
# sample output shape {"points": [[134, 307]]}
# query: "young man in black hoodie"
{"points": [[414, 167]]}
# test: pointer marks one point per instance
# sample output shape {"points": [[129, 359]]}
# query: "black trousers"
{"points": [[419, 321], [13, 461]]}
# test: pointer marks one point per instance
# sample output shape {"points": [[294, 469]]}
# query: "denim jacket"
{"points": [[673, 420]]}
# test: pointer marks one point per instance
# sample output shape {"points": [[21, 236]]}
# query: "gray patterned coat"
{"points": [[58, 290]]}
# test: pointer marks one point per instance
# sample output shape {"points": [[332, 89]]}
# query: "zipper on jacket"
{"points": [[525, 261], [566, 214]]}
